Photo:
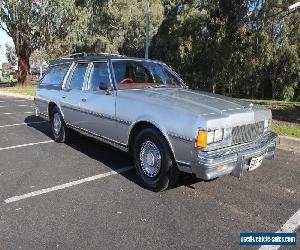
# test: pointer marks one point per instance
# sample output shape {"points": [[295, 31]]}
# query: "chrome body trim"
{"points": [[101, 138], [45, 116], [153, 123], [71, 107], [181, 137]]}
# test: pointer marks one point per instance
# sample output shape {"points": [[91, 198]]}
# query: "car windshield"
{"points": [[132, 74]]}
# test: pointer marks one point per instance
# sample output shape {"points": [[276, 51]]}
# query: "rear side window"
{"points": [[100, 76], [78, 76], [55, 75]]}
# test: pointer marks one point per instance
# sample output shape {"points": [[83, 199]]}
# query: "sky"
{"points": [[3, 39]]}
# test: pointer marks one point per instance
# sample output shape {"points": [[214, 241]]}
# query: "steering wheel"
{"points": [[126, 79]]}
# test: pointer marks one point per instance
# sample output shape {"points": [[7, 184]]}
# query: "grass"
{"points": [[273, 102], [30, 90], [5, 79], [286, 116], [286, 129]]}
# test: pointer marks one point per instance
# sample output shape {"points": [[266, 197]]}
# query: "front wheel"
{"points": [[153, 161], [58, 127]]}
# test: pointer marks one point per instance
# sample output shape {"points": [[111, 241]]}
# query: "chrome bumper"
{"points": [[234, 160]]}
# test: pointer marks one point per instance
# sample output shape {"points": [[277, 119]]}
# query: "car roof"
{"points": [[93, 57]]}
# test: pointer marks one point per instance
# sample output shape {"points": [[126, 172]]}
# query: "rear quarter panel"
{"points": [[46, 94]]}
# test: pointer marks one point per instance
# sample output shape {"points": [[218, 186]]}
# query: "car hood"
{"points": [[200, 102], [193, 108]]}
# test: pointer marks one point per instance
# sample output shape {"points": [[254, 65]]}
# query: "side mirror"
{"points": [[106, 87]]}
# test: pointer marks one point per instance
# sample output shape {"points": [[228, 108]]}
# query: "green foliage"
{"points": [[10, 53], [108, 26], [33, 25], [240, 48], [288, 93], [222, 47], [274, 102]]}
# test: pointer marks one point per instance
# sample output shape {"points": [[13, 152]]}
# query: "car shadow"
{"points": [[104, 153]]}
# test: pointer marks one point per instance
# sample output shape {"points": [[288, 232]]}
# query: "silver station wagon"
{"points": [[144, 108]]}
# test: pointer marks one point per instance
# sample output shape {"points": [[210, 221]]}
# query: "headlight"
{"points": [[267, 125], [208, 137], [219, 133]]}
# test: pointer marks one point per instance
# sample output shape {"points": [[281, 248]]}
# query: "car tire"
{"points": [[59, 129], [153, 160]]}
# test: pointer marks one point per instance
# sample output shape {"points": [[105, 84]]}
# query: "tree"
{"points": [[234, 47], [10, 53], [277, 33], [109, 26], [32, 24], [39, 59]]}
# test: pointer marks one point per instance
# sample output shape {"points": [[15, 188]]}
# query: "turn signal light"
{"points": [[201, 139]]}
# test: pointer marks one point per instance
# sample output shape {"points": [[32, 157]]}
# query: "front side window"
{"points": [[100, 76], [55, 75], [132, 74], [78, 76]]}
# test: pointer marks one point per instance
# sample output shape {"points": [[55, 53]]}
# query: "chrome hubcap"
{"points": [[150, 159], [56, 124]]}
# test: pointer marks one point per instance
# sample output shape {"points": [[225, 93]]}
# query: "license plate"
{"points": [[255, 163]]}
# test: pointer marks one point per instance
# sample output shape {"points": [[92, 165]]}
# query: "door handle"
{"points": [[63, 97], [83, 99]]}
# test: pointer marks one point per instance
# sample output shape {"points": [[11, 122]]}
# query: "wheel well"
{"points": [[138, 128], [51, 107]]}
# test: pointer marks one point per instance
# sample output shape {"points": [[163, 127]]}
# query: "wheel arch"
{"points": [[51, 107], [142, 124]]}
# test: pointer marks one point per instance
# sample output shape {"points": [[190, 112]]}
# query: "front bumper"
{"points": [[234, 160]]}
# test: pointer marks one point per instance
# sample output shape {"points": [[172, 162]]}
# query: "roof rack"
{"points": [[104, 54], [84, 54], [108, 54], [75, 55]]}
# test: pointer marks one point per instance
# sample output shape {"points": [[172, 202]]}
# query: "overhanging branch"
{"points": [[5, 29]]}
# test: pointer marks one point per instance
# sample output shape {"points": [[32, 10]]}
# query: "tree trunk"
{"points": [[214, 86], [273, 89], [24, 76], [41, 71], [23, 51]]}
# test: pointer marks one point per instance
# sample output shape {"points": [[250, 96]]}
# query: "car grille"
{"points": [[247, 133]]}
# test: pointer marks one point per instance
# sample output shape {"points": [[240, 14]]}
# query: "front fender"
{"points": [[152, 121]]}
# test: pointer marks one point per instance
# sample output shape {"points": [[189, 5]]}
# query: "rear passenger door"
{"points": [[72, 94], [98, 104]]}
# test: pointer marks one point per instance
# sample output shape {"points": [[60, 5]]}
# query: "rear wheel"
{"points": [[58, 126], [153, 161]]}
